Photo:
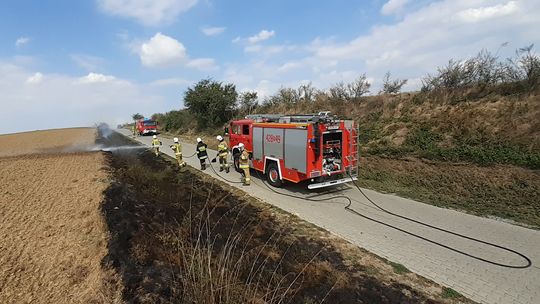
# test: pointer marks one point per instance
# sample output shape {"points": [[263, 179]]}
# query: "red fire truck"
{"points": [[146, 126], [318, 148]]}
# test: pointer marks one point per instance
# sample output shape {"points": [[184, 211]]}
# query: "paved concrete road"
{"points": [[480, 281]]}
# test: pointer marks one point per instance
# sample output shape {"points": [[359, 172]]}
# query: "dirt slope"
{"points": [[52, 234]]}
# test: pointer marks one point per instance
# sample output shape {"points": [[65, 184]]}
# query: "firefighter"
{"points": [[244, 165], [134, 129], [223, 152], [156, 143], [177, 148], [201, 153]]}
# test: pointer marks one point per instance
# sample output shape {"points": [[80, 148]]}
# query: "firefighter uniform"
{"points": [[134, 129], [156, 143], [201, 153], [223, 152], [177, 148], [244, 165]]}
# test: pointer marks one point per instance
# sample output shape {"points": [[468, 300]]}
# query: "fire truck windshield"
{"points": [[149, 123]]}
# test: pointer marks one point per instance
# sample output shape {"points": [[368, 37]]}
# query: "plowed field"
{"points": [[52, 235], [47, 141]]}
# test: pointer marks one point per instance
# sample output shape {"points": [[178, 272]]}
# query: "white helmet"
{"points": [[241, 146], [199, 139], [154, 136], [219, 138], [175, 139]]}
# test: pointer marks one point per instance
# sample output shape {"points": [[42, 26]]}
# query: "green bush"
{"points": [[211, 102]]}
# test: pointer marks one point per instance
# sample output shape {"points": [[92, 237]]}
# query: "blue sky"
{"points": [[80, 62]]}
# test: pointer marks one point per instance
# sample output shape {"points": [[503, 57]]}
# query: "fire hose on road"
{"points": [[348, 207]]}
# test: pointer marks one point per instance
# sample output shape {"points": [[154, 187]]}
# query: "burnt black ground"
{"points": [[150, 197]]}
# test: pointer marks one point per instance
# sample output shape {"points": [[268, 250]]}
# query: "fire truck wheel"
{"points": [[272, 175], [236, 162]]}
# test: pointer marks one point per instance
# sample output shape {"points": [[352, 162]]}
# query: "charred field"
{"points": [[178, 237]]}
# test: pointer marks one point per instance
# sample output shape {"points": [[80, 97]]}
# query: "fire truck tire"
{"points": [[236, 162], [272, 175]]}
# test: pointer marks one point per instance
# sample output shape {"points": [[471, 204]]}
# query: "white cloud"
{"points": [[289, 66], [95, 78], [432, 35], [147, 12], [212, 31], [36, 78], [483, 13], [162, 51], [203, 64], [21, 41], [393, 6], [416, 44], [261, 36], [62, 101]]}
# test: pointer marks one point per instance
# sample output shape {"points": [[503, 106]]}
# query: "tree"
{"points": [[211, 102], [248, 101], [529, 63], [339, 91], [359, 87], [288, 96], [355, 89], [392, 86], [137, 116], [307, 92]]}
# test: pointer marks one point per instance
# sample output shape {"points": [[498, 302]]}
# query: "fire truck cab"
{"points": [[146, 126], [311, 147]]}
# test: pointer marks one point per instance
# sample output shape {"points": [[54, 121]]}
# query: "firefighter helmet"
{"points": [[154, 137], [175, 139], [219, 138], [241, 146], [199, 139]]}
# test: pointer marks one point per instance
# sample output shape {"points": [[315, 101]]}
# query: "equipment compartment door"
{"points": [[296, 149], [257, 143], [273, 142]]}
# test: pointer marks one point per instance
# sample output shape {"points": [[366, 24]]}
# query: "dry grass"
{"points": [[501, 191]]}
